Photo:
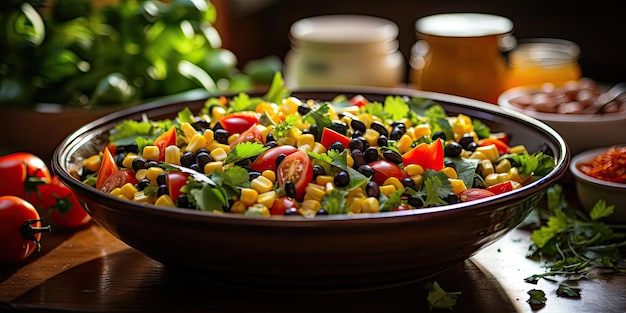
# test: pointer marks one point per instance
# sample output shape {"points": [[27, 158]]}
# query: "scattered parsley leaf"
{"points": [[396, 106], [208, 198], [537, 297], [387, 203], [243, 102], [376, 108], [536, 164], [439, 298], [435, 187], [335, 202], [243, 151], [600, 210], [566, 289], [320, 117]]}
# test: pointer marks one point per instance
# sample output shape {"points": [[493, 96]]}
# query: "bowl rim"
{"points": [[67, 146], [586, 156], [507, 95]]}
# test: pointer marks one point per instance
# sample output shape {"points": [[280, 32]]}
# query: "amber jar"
{"points": [[461, 54]]}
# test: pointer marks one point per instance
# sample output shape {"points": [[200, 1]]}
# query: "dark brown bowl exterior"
{"points": [[328, 253]]}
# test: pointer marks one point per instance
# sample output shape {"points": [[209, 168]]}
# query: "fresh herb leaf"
{"points": [[438, 298], [396, 106], [481, 130], [388, 203], [568, 290], [335, 202], [208, 198], [537, 164], [243, 102], [243, 151], [282, 128], [465, 169], [277, 91], [435, 187], [376, 108], [340, 160], [600, 210], [320, 117], [537, 297]]}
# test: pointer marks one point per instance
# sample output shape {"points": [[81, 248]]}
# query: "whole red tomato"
{"points": [[21, 175], [20, 229], [63, 206]]}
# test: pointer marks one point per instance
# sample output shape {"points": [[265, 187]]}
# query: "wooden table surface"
{"points": [[90, 270]]}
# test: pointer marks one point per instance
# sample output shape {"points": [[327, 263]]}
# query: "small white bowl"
{"points": [[590, 190], [581, 132]]}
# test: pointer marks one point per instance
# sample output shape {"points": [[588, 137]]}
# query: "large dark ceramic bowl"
{"points": [[327, 253]]}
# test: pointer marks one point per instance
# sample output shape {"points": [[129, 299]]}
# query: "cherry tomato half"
{"points": [[296, 168], [252, 134], [329, 137], [20, 229], [282, 204], [429, 156], [117, 180], [175, 181], [239, 122], [502, 187], [384, 169], [267, 159]]}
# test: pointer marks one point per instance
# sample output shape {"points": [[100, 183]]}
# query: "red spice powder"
{"points": [[609, 166]]}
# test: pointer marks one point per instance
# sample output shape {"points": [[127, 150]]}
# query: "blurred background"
{"points": [[256, 28]]}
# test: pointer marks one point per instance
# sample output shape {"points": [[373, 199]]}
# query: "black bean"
{"points": [[313, 130], [407, 182], [380, 128], [290, 189], [448, 163], [318, 170], [253, 174], [356, 133], [292, 211], [303, 109], [466, 140], [358, 158], [453, 149], [203, 150], [342, 179], [356, 144], [370, 154], [183, 202], [337, 146], [415, 202], [358, 125], [439, 135], [396, 134], [221, 135], [119, 160], [130, 148], [366, 170], [372, 189], [270, 144], [400, 126], [162, 190], [139, 164], [152, 163], [366, 143], [196, 168], [321, 212], [161, 179], [187, 159], [280, 158], [217, 126], [202, 158], [142, 184], [382, 141], [471, 147], [339, 127], [270, 137], [201, 125], [452, 198], [392, 156]]}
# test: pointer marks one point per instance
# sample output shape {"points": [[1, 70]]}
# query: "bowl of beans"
{"points": [[600, 175], [312, 190], [570, 110]]}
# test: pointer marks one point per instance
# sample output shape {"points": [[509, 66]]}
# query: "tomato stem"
{"points": [[28, 231]]}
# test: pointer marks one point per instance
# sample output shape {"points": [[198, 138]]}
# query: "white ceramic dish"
{"points": [[590, 190]]}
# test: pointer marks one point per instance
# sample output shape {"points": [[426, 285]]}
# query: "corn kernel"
{"points": [[288, 141], [128, 160], [514, 175], [517, 149], [414, 169], [238, 207], [218, 154], [304, 147], [404, 144], [306, 139], [496, 178], [262, 184], [290, 105], [458, 185], [349, 160], [266, 131], [154, 172], [93, 162], [318, 148], [356, 205], [141, 174], [387, 189], [248, 196], [394, 182], [370, 205], [417, 179], [172, 155], [218, 113], [323, 179], [208, 135], [117, 192], [128, 190], [490, 151], [165, 200], [212, 145], [314, 192], [486, 168], [269, 174], [329, 187], [371, 136], [267, 198], [213, 166], [188, 131], [151, 153], [450, 172], [516, 185], [258, 209], [197, 141], [503, 166], [140, 197], [421, 130], [312, 205], [478, 156], [232, 138]]}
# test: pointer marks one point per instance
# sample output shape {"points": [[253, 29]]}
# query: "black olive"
{"points": [[356, 144], [290, 189], [358, 125], [380, 128], [392, 156], [187, 159], [337, 146], [453, 149], [139, 164], [439, 135], [471, 147], [142, 184], [366, 170], [466, 140], [370, 154], [342, 179], [221, 135], [372, 189]]}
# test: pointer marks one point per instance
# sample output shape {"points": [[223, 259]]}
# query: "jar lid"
{"points": [[463, 25], [344, 29]]}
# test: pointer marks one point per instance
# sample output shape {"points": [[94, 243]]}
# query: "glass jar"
{"points": [[344, 50], [461, 54], [543, 60]]}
